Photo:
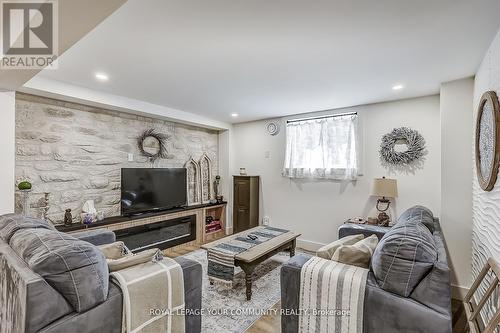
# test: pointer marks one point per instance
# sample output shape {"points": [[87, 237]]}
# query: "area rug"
{"points": [[226, 309]]}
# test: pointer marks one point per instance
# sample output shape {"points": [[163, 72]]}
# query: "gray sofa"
{"points": [[408, 285], [38, 296]]}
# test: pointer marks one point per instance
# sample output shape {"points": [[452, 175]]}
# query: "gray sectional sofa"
{"points": [[408, 285], [54, 282]]}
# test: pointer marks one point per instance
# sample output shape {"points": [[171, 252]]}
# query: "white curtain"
{"points": [[324, 148]]}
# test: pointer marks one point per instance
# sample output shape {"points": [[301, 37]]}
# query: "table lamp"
{"points": [[384, 188]]}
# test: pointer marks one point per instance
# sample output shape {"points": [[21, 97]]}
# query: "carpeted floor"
{"points": [[225, 308]]}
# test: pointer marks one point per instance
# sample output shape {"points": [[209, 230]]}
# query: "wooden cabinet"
{"points": [[245, 203]]}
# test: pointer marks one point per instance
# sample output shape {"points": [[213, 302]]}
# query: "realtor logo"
{"points": [[29, 34]]}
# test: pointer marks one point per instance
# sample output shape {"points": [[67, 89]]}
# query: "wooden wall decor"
{"points": [[193, 182], [488, 140], [206, 178]]}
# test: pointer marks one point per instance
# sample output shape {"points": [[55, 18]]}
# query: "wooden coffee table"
{"points": [[249, 259]]}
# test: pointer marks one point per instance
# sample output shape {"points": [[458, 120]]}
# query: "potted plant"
{"points": [[24, 184]]}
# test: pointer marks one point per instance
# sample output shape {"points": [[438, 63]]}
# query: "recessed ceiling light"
{"points": [[397, 87], [234, 115], [101, 76]]}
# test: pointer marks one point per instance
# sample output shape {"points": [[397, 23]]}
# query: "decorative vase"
{"points": [[87, 218]]}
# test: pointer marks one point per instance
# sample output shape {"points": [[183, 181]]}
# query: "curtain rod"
{"points": [[321, 117]]}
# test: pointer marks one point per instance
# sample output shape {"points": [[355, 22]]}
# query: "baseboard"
{"points": [[458, 292], [308, 245], [229, 230]]}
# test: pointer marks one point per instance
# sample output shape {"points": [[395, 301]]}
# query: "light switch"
{"points": [[265, 220], [130, 157], [267, 154]]}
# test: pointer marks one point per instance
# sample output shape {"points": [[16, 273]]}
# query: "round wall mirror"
{"points": [[152, 144], [487, 140]]}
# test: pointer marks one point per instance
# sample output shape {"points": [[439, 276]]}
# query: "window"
{"points": [[323, 147]]}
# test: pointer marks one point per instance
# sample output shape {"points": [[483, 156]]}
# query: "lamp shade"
{"points": [[385, 187]]}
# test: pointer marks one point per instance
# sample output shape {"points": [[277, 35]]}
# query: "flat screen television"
{"points": [[152, 189]]}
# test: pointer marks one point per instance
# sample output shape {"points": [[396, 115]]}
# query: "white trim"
{"points": [[458, 292]]}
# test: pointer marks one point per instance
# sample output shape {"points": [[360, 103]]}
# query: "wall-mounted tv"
{"points": [[152, 189]]}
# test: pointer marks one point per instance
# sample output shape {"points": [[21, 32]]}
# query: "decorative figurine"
{"points": [[68, 219], [218, 196]]}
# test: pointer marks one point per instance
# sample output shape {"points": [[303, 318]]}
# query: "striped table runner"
{"points": [[221, 256]]}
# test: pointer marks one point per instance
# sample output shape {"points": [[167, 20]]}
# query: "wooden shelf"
{"points": [[120, 219], [214, 235], [219, 214]]}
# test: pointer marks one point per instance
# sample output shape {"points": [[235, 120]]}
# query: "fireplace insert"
{"points": [[162, 235]]}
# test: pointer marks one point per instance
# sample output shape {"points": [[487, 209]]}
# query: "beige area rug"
{"points": [[226, 309]]}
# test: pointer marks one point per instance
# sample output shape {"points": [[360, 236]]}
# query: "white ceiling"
{"points": [[269, 58]]}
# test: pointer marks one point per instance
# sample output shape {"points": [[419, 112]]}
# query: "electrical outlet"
{"points": [[267, 154], [265, 220], [130, 157]]}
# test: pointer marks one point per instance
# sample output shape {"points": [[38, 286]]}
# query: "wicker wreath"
{"points": [[161, 138], [414, 140]]}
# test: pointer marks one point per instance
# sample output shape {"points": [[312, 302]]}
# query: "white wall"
{"points": [[225, 171], [456, 177], [317, 208], [486, 205], [7, 151]]}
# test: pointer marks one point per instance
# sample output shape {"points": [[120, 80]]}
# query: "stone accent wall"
{"points": [[72, 153]]}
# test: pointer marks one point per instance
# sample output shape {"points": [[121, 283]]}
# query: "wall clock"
{"points": [[273, 128], [487, 140]]}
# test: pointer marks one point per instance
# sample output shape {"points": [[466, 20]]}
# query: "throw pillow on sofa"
{"points": [[418, 213], [403, 257], [358, 254], [74, 268], [327, 251], [11, 223]]}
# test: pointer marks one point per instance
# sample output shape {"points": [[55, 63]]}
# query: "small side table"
{"points": [[367, 230]]}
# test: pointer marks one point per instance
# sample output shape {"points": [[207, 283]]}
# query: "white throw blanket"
{"points": [[153, 297], [331, 297]]}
